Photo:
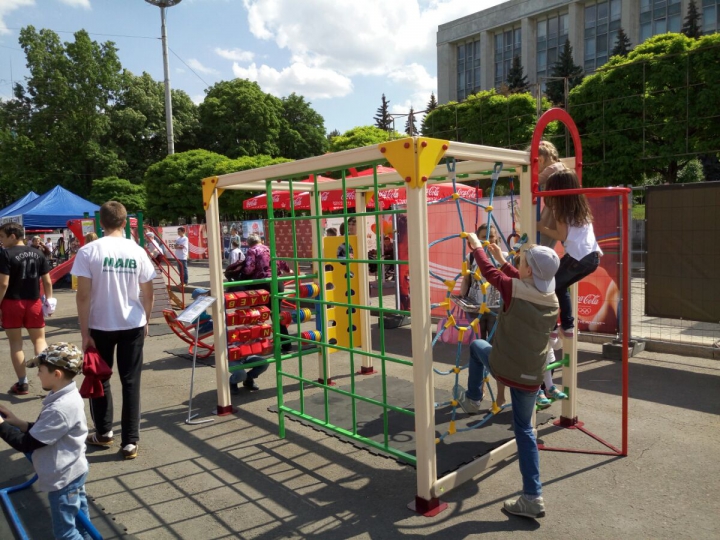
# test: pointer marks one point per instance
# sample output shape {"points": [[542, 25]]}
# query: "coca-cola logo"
{"points": [[251, 203], [590, 300]]}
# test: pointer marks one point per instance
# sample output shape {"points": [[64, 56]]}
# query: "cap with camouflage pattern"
{"points": [[64, 355]]}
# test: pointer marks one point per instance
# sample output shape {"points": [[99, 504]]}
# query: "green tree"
{"points": [[113, 188], [383, 120], [334, 133], [174, 186], [432, 104], [488, 118], [505, 121], [238, 119], [358, 137], [410, 126], [59, 123], [441, 122], [137, 123], [563, 68], [517, 81], [302, 130], [691, 26], [711, 167], [16, 150], [691, 172], [622, 44], [639, 118]]}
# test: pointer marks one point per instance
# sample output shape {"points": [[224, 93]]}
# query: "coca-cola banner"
{"points": [[599, 294], [197, 239]]}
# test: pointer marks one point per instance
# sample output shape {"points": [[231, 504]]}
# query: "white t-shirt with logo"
{"points": [[117, 267], [181, 248]]}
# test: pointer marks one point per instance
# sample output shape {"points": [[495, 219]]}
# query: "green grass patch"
{"points": [[638, 211]]}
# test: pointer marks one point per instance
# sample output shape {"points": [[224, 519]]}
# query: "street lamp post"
{"points": [[163, 4]]}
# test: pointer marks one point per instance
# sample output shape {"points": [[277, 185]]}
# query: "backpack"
{"points": [[234, 271]]}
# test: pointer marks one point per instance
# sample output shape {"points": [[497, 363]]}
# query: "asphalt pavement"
{"points": [[235, 477]]}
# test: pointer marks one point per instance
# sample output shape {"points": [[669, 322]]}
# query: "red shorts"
{"points": [[22, 314]]}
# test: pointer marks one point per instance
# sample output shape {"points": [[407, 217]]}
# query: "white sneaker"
{"points": [[525, 507]]}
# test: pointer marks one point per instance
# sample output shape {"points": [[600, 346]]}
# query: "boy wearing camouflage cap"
{"points": [[57, 438]]}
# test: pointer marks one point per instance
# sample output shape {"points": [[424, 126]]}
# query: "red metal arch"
{"points": [[553, 115]]}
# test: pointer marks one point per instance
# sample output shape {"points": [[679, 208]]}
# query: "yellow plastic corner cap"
{"points": [[430, 152], [208, 186], [401, 155]]}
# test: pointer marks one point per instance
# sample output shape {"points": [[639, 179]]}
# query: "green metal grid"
{"points": [[320, 303]]}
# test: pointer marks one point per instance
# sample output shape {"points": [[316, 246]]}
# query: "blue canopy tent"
{"points": [[9, 210], [53, 209]]}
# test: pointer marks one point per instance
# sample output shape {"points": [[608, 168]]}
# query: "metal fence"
{"points": [[658, 328]]}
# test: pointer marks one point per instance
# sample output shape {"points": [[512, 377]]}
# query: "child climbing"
{"points": [[575, 230], [470, 287]]}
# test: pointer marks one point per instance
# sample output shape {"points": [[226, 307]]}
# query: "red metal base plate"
{"points": [[367, 370], [427, 508], [329, 382], [224, 411]]}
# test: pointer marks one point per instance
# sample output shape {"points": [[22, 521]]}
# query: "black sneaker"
{"points": [[20, 389], [250, 384]]}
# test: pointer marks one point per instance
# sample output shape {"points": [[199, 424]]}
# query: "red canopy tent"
{"points": [[333, 200], [435, 192]]}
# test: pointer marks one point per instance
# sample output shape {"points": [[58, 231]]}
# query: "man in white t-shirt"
{"points": [[112, 273], [236, 253], [181, 254]]}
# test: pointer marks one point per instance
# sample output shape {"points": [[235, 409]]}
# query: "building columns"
{"points": [[447, 71], [576, 32], [630, 21], [529, 46], [487, 65]]}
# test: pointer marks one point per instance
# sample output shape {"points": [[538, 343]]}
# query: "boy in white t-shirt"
{"points": [[112, 272], [181, 254], [57, 438], [236, 254]]}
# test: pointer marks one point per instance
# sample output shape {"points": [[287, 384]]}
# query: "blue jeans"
{"points": [[65, 504], [182, 269], [523, 405], [242, 375], [570, 272]]}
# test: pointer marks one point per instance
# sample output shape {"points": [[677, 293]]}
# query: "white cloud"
{"points": [[312, 82], [77, 3], [6, 6], [197, 99], [236, 55], [179, 71], [394, 39], [372, 37], [415, 76], [198, 66]]}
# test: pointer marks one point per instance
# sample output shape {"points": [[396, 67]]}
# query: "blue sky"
{"points": [[340, 54]]}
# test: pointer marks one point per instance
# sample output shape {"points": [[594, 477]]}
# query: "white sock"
{"points": [[548, 380], [532, 498], [22, 380], [108, 435]]}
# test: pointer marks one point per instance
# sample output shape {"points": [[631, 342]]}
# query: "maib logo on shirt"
{"points": [[120, 266]]}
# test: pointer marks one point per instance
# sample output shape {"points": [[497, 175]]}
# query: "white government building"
{"points": [[475, 52]]}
